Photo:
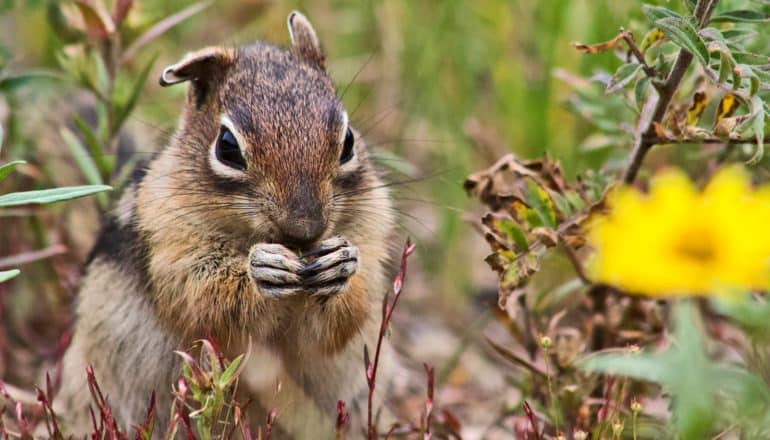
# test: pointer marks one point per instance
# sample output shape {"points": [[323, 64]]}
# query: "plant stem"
{"points": [[551, 395], [642, 143], [574, 260], [657, 140], [387, 313]]}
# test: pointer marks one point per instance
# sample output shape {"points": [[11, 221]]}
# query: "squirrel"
{"points": [[211, 238]]}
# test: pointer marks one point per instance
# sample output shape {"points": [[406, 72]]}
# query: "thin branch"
{"points": [[628, 37], [642, 144], [574, 260], [666, 93], [32, 256], [657, 140]]}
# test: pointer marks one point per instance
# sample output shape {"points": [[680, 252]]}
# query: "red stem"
{"points": [[387, 312]]}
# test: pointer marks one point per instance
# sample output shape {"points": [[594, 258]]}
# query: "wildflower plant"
{"points": [[659, 302]]}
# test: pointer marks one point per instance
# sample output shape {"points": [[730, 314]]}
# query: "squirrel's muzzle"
{"points": [[301, 220], [301, 232]]}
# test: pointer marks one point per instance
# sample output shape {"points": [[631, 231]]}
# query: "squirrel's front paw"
{"points": [[274, 269], [329, 267]]}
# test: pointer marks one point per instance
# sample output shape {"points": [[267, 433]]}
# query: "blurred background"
{"points": [[439, 88]]}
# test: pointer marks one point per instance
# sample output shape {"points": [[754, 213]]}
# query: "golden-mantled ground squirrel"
{"points": [[208, 239]]}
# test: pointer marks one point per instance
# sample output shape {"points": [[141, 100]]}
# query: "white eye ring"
{"points": [[216, 165], [343, 136], [345, 126]]}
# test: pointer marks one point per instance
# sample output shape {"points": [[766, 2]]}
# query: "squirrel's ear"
{"points": [[203, 68], [304, 40]]}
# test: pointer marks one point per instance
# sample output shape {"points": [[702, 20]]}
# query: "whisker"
{"points": [[361, 69]]}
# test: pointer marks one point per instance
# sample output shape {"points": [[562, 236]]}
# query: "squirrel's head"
{"points": [[265, 137]]}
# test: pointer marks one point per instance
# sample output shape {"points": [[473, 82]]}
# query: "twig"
{"points": [[552, 397], [429, 371], [532, 419], [628, 37], [574, 260], [666, 92], [32, 256], [658, 140], [513, 358], [387, 313]]}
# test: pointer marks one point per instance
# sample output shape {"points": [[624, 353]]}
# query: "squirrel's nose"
{"points": [[301, 232]]}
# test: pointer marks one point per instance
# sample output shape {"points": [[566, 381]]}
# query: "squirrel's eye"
{"points": [[228, 151], [347, 147]]}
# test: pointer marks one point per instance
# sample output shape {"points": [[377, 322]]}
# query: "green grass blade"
{"points": [[46, 196]]}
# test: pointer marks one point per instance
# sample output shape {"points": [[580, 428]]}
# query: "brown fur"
{"points": [[172, 263]]}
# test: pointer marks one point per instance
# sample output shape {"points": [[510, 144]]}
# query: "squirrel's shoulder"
{"points": [[120, 242]]}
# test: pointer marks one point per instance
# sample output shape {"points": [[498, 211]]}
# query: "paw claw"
{"points": [[329, 274], [273, 268]]}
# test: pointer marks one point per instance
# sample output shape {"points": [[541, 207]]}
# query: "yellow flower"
{"points": [[678, 241]]}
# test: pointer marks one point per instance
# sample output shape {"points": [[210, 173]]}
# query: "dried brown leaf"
{"points": [[598, 47]]}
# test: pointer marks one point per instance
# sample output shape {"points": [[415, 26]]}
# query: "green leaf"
{"points": [[513, 233], [47, 196], [726, 66], [641, 366], [575, 200], [541, 203], [99, 78], [640, 91], [741, 16], [85, 162], [82, 157], [562, 204], [623, 76], [8, 274], [748, 390], [104, 165], [6, 169], [751, 314], [14, 82], [739, 36], [229, 374], [750, 58], [60, 25], [683, 369], [682, 33], [690, 5], [124, 109], [655, 13]]}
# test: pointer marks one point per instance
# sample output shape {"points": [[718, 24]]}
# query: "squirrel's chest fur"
{"points": [[178, 258]]}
